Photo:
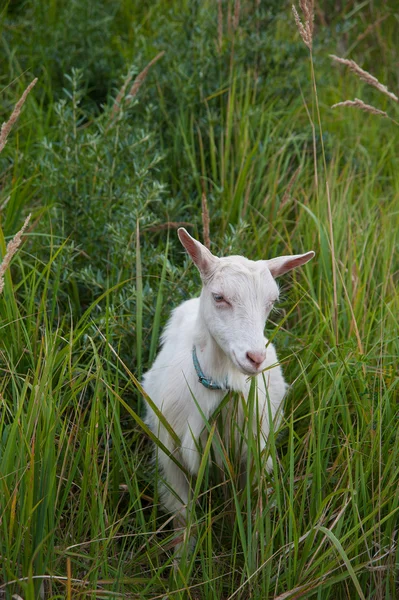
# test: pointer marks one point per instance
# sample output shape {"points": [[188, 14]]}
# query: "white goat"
{"points": [[212, 344]]}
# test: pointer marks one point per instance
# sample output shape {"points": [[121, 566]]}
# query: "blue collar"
{"points": [[208, 383]]}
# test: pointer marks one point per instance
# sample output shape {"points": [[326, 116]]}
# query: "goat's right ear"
{"points": [[201, 256], [282, 264]]}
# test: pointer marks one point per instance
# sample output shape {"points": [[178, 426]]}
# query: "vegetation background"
{"points": [[236, 111]]}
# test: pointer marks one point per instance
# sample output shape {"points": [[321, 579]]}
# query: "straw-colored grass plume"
{"points": [[12, 248], [7, 126], [14, 244], [305, 28], [356, 103], [137, 83], [365, 76]]}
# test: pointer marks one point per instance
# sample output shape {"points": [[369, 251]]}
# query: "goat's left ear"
{"points": [[280, 265]]}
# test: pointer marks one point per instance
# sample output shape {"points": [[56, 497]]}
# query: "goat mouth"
{"points": [[251, 372], [246, 370]]}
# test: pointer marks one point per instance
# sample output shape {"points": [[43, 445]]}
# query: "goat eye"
{"points": [[218, 298]]}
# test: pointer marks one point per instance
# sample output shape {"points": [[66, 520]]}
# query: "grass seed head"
{"points": [[365, 76], [306, 28], [7, 126], [356, 103], [12, 248], [137, 83]]}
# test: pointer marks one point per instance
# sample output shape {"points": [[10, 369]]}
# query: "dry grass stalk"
{"points": [[356, 103], [287, 194], [137, 83], [370, 28], [365, 76], [220, 25], [247, 193], [229, 19], [306, 28], [7, 126], [205, 221], [12, 247], [236, 16]]}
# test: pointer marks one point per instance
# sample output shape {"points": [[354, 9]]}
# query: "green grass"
{"points": [[97, 276]]}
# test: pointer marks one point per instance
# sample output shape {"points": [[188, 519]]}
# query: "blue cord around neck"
{"points": [[206, 382]]}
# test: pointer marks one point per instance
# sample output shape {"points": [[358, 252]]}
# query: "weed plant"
{"points": [[236, 112]]}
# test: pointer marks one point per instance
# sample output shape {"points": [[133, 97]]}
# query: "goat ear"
{"points": [[282, 264], [201, 256]]}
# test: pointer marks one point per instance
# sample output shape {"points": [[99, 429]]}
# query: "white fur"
{"points": [[223, 333]]}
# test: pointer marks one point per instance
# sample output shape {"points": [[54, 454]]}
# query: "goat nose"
{"points": [[256, 358]]}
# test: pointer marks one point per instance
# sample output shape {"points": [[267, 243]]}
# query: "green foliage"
{"points": [[234, 115]]}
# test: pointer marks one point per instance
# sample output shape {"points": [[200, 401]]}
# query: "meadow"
{"points": [[215, 115]]}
